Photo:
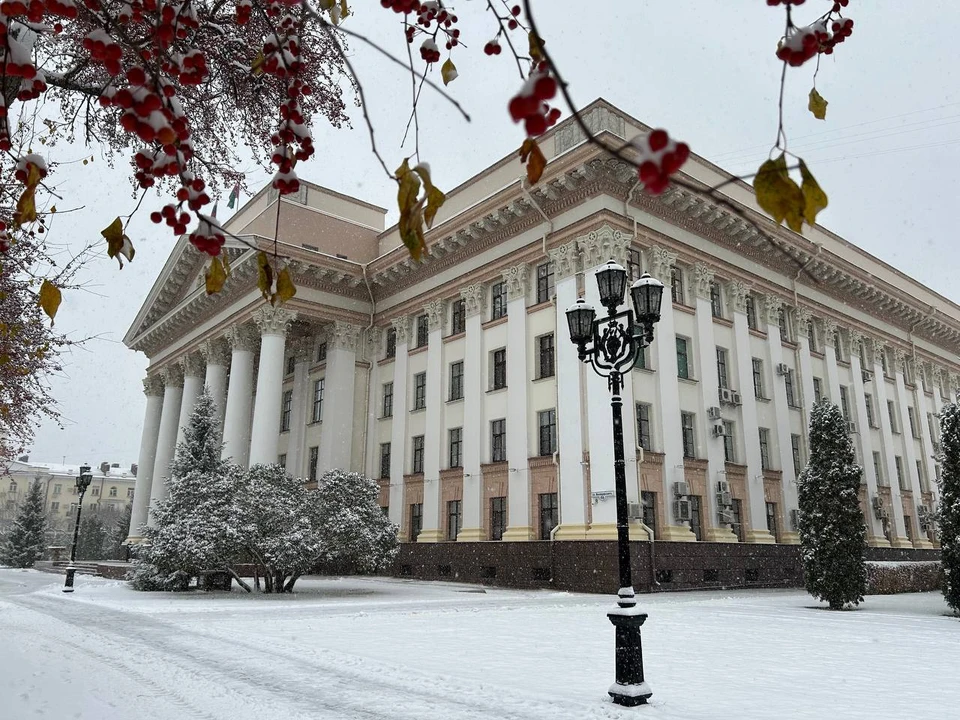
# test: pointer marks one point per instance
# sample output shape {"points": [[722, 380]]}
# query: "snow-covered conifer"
{"points": [[949, 511], [91, 539], [832, 532], [23, 545]]}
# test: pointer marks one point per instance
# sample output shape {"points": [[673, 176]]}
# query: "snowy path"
{"points": [[362, 648]]}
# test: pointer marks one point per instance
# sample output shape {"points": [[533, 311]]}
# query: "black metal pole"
{"points": [[625, 597], [71, 570]]}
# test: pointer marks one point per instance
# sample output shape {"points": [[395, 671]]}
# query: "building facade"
{"points": [[454, 383]]}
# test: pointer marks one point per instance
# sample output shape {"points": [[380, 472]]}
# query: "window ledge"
{"points": [[418, 410], [761, 399], [651, 371], [452, 401], [688, 380], [544, 377], [491, 391], [314, 422]]}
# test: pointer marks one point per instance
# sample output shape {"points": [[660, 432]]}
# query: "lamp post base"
{"points": [[68, 583], [630, 689]]}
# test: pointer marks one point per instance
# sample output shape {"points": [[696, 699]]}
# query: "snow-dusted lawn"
{"points": [[351, 648]]}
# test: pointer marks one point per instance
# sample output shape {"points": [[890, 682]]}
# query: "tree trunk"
{"points": [[267, 580], [278, 578], [256, 577], [288, 587], [239, 580]]}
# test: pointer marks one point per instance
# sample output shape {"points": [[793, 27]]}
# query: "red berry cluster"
{"points": [[244, 10], [659, 157], [31, 89], [774, 3], [34, 10], [512, 22], [208, 237], [104, 49], [530, 103], [839, 4], [493, 47], [174, 219], [429, 51], [28, 162], [401, 6], [803, 43]]}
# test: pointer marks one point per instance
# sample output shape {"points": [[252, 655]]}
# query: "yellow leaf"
{"points": [[256, 67], [216, 276], [26, 211], [535, 44], [285, 287], [226, 264], [817, 105], [448, 71], [434, 198], [53, 209], [264, 274], [85, 161], [50, 299], [814, 198], [117, 242], [411, 215], [778, 194], [344, 10], [533, 157]]}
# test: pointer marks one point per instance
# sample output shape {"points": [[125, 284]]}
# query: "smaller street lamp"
{"points": [[83, 482], [613, 344]]}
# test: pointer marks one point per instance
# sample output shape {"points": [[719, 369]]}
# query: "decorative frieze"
{"points": [[703, 279], [215, 352], [517, 280], [661, 261], [604, 244], [434, 311], [153, 385], [596, 120], [474, 297], [243, 337], [193, 365], [401, 326], [737, 294], [565, 259], [345, 336], [273, 320], [172, 376]]}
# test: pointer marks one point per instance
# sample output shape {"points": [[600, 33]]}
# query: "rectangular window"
{"points": [[676, 286], [129, 493], [458, 316], [384, 460], [737, 525], [498, 440], [884, 363], [782, 320], [416, 520], [456, 380], [912, 416], [390, 350], [545, 282], [498, 369], [898, 462], [314, 461], [932, 427], [772, 520], [387, 400], [643, 426], [456, 447], [648, 502], [498, 517], [641, 362], [94, 491], [764, 448], [54, 506], [696, 516], [282, 461], [687, 432], [547, 422], [788, 386], [752, 312], [417, 454], [420, 391], [817, 389], [683, 368], [545, 356], [318, 386], [795, 447], [453, 519], [498, 300], [892, 413], [845, 403], [878, 469], [291, 365], [286, 408], [548, 514], [758, 378], [921, 476], [812, 336], [722, 375], [716, 303], [729, 447], [838, 346], [423, 330], [322, 349], [868, 401], [634, 266]]}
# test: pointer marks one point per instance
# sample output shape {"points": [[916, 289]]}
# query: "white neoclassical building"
{"points": [[454, 383]]}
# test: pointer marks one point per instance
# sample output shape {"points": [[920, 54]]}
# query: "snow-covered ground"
{"points": [[370, 648]]}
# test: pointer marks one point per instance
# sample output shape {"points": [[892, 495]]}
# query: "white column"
{"points": [[925, 408], [519, 525], [398, 428], [265, 434], [193, 374], [756, 498], [709, 386], [216, 353], [782, 411], [474, 425], [153, 389], [336, 437], [875, 536], [301, 406], [830, 338], [167, 436], [435, 438], [372, 349], [243, 341], [805, 370], [920, 540], [571, 483], [898, 536], [668, 386], [952, 389]]}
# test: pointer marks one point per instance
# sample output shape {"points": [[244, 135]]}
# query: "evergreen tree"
{"points": [[949, 511], [832, 531], [116, 535], [91, 539], [23, 544]]}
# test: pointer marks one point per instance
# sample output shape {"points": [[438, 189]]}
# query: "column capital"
{"points": [[153, 385], [273, 320], [772, 305], [401, 326], [215, 351], [434, 311], [954, 382], [703, 279], [373, 343], [661, 261], [172, 376], [517, 279], [830, 328], [857, 340], [345, 336], [804, 317], [900, 356], [879, 347], [243, 337], [474, 298], [565, 259], [737, 294], [938, 374], [603, 244], [193, 365]]}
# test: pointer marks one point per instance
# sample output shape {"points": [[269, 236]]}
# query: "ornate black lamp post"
{"points": [[83, 482], [613, 344]]}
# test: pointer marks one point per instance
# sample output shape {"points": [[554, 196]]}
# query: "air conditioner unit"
{"points": [[723, 486], [782, 369], [634, 511], [681, 489], [713, 413], [735, 397], [795, 519], [717, 431], [851, 427], [681, 508], [724, 499], [726, 396], [725, 516], [866, 375]]}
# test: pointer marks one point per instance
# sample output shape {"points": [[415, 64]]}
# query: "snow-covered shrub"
{"points": [[949, 511], [148, 577], [892, 578], [832, 531]]}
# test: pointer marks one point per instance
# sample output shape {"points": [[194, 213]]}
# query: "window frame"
{"points": [[790, 388], [716, 300], [498, 440], [454, 518], [677, 295], [757, 370], [313, 463], [546, 350], [764, 437], [386, 400], [422, 325], [548, 507], [458, 316], [729, 442], [796, 451], [286, 410], [385, 460], [644, 437], [498, 517], [319, 387], [751, 313], [684, 371], [416, 520], [546, 282], [498, 369], [688, 434], [498, 300], [550, 428], [417, 454], [723, 374], [456, 381], [390, 344], [455, 447], [419, 391]]}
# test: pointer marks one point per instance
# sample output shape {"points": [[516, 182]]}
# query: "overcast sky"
{"points": [[886, 155]]}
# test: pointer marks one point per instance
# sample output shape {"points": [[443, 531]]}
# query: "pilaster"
{"points": [[474, 421], [830, 337], [398, 428], [435, 438], [897, 533], [782, 412], [913, 479]]}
